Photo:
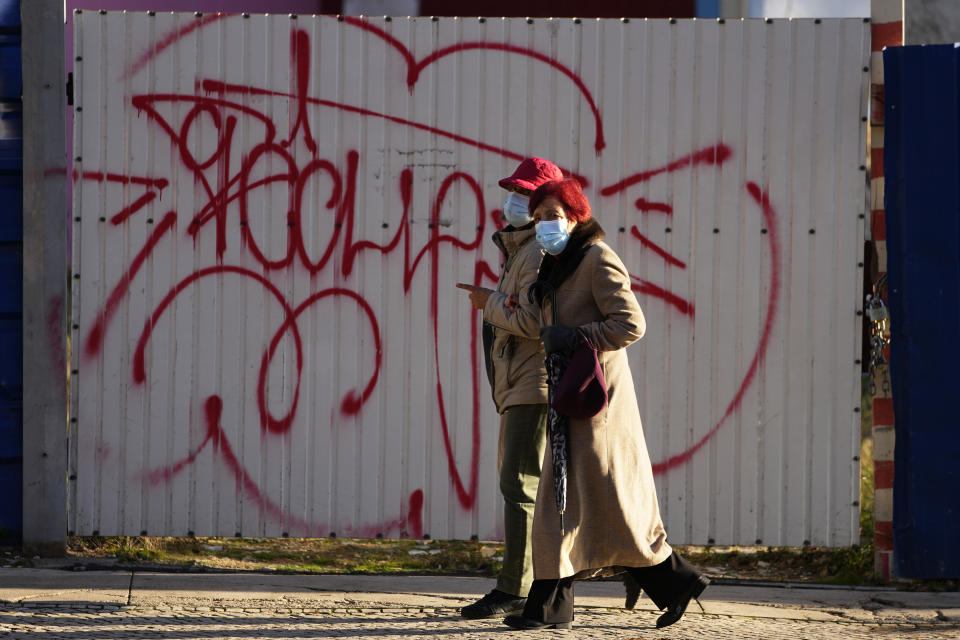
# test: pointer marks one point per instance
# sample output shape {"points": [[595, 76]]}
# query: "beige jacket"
{"points": [[515, 361], [612, 518]]}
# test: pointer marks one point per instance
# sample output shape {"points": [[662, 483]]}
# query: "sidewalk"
{"points": [[49, 603]]}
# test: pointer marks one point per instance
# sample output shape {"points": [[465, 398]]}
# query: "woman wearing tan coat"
{"points": [[612, 519]]}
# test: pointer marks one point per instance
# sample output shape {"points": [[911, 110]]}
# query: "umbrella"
{"points": [[558, 424]]}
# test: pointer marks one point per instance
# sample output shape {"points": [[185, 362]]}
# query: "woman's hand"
{"points": [[478, 295], [557, 338]]}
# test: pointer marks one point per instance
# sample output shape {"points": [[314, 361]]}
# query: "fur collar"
{"points": [[555, 269]]}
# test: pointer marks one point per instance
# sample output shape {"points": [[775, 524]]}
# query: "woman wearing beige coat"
{"points": [[612, 519]]}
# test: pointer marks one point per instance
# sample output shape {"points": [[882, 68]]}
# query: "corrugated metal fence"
{"points": [[271, 214]]}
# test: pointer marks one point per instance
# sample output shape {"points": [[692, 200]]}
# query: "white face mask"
{"points": [[552, 235], [516, 209]]}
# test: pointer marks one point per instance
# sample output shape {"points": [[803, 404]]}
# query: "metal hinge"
{"points": [[70, 89]]}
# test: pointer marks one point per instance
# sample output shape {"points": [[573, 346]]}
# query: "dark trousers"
{"points": [[551, 601]]}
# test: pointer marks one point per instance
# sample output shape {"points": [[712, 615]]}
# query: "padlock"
{"points": [[877, 311]]}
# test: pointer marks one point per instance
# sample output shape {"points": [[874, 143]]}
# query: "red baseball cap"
{"points": [[532, 173]]}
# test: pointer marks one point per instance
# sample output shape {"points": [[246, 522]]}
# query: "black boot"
{"points": [[633, 591], [529, 624], [495, 603], [676, 610]]}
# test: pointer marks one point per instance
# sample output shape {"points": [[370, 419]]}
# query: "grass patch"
{"points": [[299, 555], [866, 470], [824, 565]]}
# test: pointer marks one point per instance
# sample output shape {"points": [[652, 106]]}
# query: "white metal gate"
{"points": [[271, 212]]}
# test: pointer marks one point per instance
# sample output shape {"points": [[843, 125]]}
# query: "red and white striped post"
{"points": [[886, 31]]}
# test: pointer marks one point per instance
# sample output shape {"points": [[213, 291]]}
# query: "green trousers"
{"points": [[523, 439]]}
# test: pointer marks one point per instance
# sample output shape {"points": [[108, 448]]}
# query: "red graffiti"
{"points": [[770, 219], [98, 176], [222, 112], [217, 439], [645, 206], [657, 249], [56, 344], [414, 68], [95, 336], [715, 155], [164, 42], [648, 288]]}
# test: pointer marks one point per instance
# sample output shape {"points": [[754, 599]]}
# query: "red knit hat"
{"points": [[532, 173]]}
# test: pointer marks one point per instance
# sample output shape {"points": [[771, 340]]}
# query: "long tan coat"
{"points": [[612, 517]]}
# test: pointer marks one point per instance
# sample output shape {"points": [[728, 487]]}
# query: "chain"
{"points": [[879, 317]]}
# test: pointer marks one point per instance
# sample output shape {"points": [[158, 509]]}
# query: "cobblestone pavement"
{"points": [[82, 620]]}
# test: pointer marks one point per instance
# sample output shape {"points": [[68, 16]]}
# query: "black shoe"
{"points": [[633, 591], [675, 611], [528, 624], [495, 603]]}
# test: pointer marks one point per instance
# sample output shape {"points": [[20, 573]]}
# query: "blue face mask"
{"points": [[516, 209], [552, 235]]}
